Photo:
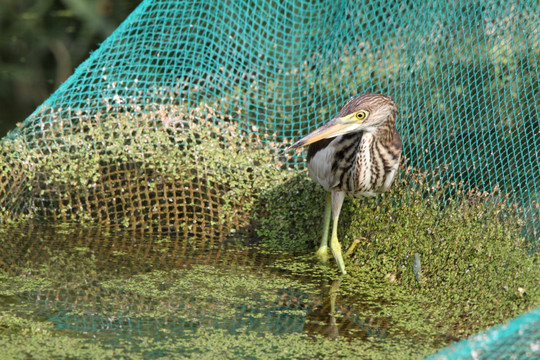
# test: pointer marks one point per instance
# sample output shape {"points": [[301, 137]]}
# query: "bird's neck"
{"points": [[385, 132]]}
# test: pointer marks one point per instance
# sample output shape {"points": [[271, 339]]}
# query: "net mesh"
{"points": [[465, 77], [516, 339], [180, 78]]}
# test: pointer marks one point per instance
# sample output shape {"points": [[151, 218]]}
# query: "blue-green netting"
{"points": [[516, 339], [465, 76]]}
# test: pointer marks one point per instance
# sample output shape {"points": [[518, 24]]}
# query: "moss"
{"points": [[435, 262], [191, 172], [55, 347], [110, 295], [205, 343], [473, 267]]}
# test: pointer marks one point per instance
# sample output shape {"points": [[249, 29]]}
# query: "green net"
{"points": [[180, 117], [517, 339], [465, 77]]}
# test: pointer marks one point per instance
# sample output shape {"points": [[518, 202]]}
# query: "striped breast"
{"points": [[331, 160], [376, 165], [359, 164]]}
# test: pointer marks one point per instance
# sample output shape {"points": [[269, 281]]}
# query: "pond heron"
{"points": [[357, 154]]}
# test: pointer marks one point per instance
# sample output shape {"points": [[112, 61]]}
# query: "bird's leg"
{"points": [[337, 202], [322, 252]]}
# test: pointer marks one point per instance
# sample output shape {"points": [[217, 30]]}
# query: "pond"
{"points": [[73, 291]]}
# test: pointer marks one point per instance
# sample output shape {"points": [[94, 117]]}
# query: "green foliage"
{"points": [[85, 292], [162, 130], [289, 216], [121, 168], [474, 263]]}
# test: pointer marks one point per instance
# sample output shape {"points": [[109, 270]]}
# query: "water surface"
{"points": [[72, 290]]}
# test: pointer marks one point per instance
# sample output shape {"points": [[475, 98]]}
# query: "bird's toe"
{"points": [[351, 249]]}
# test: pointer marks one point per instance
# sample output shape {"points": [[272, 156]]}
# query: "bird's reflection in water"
{"points": [[333, 330], [338, 317]]}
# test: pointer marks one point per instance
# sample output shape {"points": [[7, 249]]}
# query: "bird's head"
{"points": [[365, 112]]}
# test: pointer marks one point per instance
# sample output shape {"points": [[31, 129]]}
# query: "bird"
{"points": [[356, 154]]}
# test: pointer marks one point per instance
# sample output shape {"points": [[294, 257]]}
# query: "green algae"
{"points": [[68, 291], [236, 278], [202, 344], [474, 266], [168, 171]]}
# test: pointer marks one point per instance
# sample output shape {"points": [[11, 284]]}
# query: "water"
{"points": [[86, 292]]}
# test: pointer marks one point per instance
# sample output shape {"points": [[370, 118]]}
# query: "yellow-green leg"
{"points": [[337, 202], [334, 201], [322, 252]]}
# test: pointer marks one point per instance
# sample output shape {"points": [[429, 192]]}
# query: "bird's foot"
{"points": [[351, 248], [322, 254]]}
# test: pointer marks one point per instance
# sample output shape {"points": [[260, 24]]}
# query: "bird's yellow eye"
{"points": [[361, 115]]}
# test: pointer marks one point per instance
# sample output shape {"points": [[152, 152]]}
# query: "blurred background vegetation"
{"points": [[42, 42]]}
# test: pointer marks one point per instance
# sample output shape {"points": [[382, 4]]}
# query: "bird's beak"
{"points": [[333, 128]]}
